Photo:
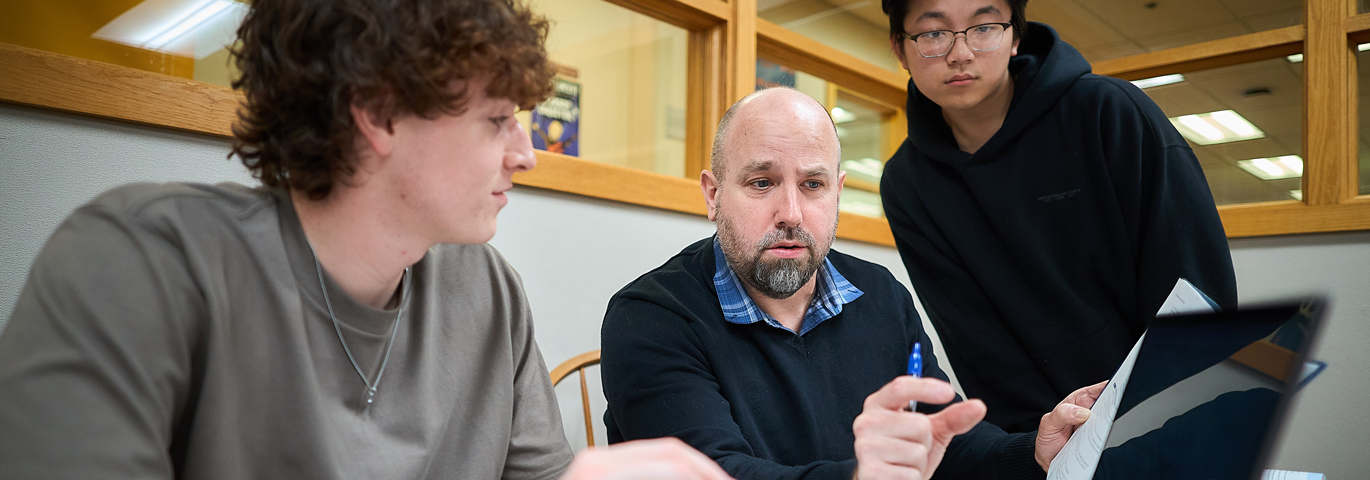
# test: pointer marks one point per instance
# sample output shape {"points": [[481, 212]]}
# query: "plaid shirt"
{"points": [[832, 292]]}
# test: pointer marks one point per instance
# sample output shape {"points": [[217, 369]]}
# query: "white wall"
{"points": [[574, 252]]}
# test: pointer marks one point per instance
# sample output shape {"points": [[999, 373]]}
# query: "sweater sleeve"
{"points": [[96, 360], [537, 441], [1167, 203], [658, 383]]}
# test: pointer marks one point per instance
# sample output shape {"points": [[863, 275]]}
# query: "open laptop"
{"points": [[1208, 393]]}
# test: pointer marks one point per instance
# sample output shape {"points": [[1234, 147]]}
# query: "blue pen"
{"points": [[915, 368]]}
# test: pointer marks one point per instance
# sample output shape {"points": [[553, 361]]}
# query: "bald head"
{"points": [[757, 116]]}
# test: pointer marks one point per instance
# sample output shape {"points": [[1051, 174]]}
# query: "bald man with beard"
{"points": [[780, 358]]}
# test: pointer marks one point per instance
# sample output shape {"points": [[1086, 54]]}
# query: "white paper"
{"points": [[1080, 457]]}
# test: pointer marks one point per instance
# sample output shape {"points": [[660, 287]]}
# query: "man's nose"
{"points": [[789, 213], [518, 151]]}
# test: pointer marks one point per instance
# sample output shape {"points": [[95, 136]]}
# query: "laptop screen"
{"points": [[1206, 393]]}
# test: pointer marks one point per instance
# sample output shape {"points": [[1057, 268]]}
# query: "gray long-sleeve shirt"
{"points": [[180, 331]]}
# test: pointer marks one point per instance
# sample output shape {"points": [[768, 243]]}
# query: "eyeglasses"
{"points": [[981, 38]]}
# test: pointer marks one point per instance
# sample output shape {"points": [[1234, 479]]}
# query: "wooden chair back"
{"points": [[578, 363]]}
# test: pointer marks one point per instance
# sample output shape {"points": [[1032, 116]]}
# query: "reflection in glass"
{"points": [[1363, 136], [1244, 123], [868, 130], [629, 71], [1205, 392], [855, 27], [1107, 30], [181, 38]]}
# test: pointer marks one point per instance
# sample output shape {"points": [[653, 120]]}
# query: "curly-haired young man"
{"points": [[1044, 213], [345, 320]]}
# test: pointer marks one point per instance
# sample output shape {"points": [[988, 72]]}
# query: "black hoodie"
{"points": [[1041, 257]]}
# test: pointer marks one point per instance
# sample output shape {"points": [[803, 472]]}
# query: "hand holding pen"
{"points": [[892, 442], [915, 368]]}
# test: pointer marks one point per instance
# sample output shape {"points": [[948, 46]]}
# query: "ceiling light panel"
{"points": [[1211, 128], [1154, 82], [1274, 168]]}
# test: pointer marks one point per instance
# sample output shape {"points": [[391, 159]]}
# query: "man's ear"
{"points": [[373, 123], [897, 46], [708, 183], [1014, 52]]}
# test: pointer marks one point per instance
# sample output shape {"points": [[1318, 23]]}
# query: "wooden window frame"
{"points": [[725, 38]]}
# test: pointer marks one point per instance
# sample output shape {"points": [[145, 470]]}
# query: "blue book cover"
{"points": [[555, 123]]}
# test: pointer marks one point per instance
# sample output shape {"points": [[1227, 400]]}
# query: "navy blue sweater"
{"points": [[764, 402], [1040, 258]]}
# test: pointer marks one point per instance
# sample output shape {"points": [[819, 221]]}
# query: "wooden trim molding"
{"points": [[780, 45], [1357, 23], [59, 82], [1203, 56], [1290, 217], [689, 14], [1329, 62]]}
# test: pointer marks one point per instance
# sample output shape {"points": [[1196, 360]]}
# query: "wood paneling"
{"points": [[780, 45], [1206, 55]]}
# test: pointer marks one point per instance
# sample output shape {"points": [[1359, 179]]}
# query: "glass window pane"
{"points": [[628, 72], [174, 37], [1106, 30], [1244, 123], [1363, 84], [868, 131], [856, 27]]}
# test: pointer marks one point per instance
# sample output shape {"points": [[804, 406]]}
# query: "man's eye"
{"points": [[934, 35], [983, 29], [814, 184], [499, 121], [761, 183]]}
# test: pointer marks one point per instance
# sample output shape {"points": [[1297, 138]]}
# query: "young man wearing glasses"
{"points": [[1043, 212]]}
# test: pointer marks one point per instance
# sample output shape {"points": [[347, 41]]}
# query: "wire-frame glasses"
{"points": [[981, 38]]}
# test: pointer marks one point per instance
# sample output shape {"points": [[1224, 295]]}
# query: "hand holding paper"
{"points": [[1059, 424]]}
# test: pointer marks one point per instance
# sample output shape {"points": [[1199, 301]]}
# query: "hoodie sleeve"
{"points": [[1166, 203]]}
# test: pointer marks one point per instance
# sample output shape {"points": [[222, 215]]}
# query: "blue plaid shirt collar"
{"points": [[831, 293]]}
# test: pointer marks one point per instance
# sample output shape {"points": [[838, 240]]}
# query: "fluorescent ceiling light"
{"points": [[1210, 128], [1276, 168], [841, 115], [1198, 125], [1292, 162], [190, 28], [1152, 82], [186, 24], [1233, 122]]}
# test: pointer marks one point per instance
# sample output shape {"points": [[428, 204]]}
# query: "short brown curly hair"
{"points": [[304, 62]]}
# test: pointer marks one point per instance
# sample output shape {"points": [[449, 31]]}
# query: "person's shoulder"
{"points": [[1109, 92], [463, 264], [682, 283], [169, 202]]}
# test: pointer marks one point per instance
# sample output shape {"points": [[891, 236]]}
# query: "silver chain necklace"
{"points": [[370, 395]]}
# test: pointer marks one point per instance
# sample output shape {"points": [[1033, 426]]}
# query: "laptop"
{"points": [[1208, 393], [1202, 395]]}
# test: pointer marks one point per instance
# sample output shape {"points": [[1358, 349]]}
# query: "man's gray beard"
{"points": [[779, 279]]}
